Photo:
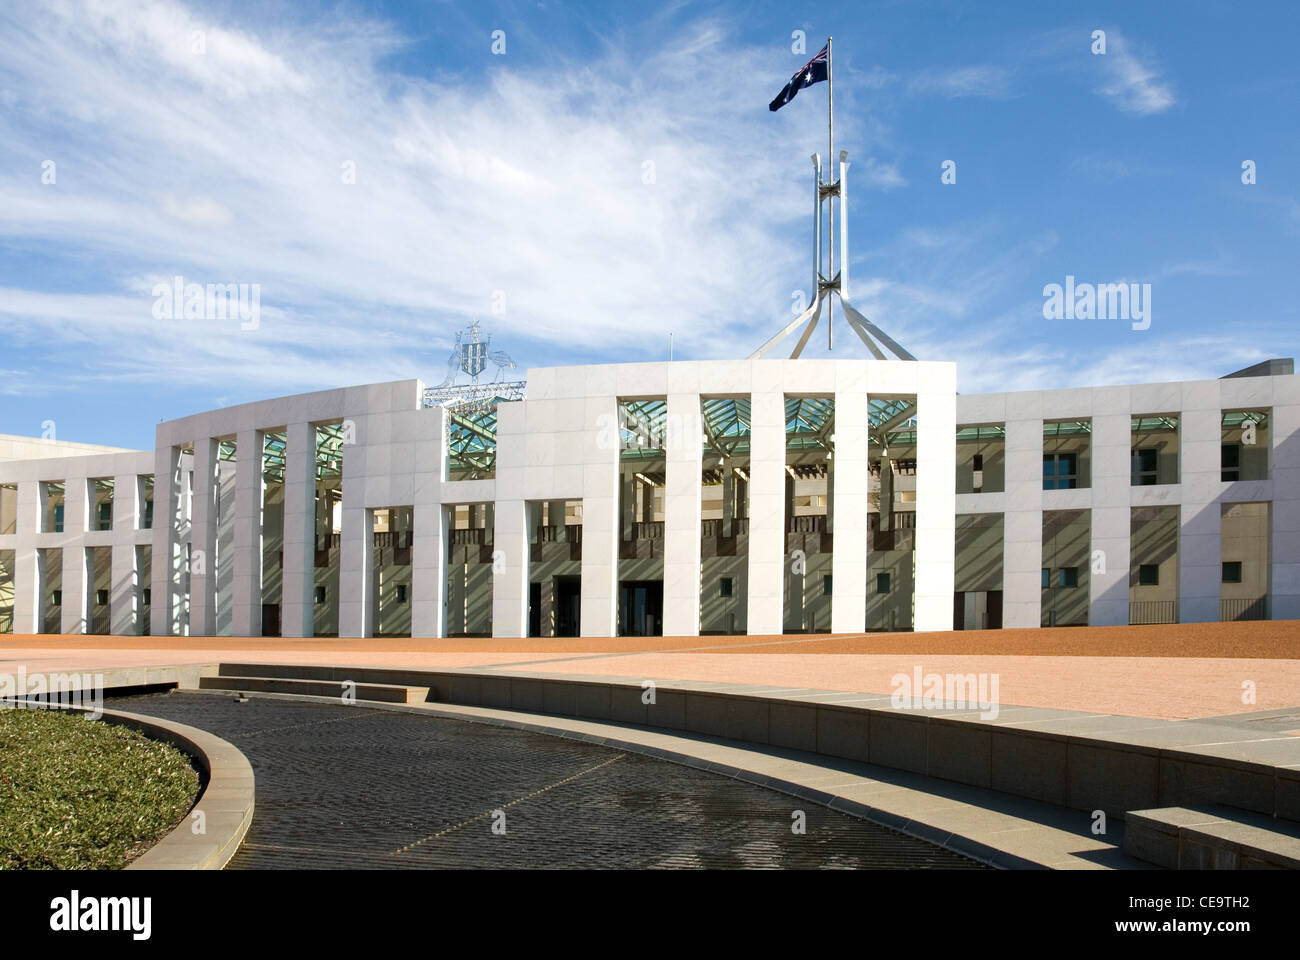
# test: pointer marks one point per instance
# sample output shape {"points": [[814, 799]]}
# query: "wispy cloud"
{"points": [[595, 200], [974, 81], [1132, 85]]}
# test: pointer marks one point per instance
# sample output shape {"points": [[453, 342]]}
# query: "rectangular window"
{"points": [[1149, 575], [1145, 462], [320, 594], [826, 586], [1047, 577], [1060, 471], [101, 598], [1230, 462], [882, 583], [724, 587], [1232, 571], [1067, 577], [105, 516], [57, 599], [401, 593], [977, 462], [58, 519], [148, 596]]}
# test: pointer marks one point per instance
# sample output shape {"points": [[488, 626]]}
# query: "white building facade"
{"points": [[754, 497]]}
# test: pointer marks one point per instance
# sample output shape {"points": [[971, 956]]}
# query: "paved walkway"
{"points": [[1174, 671]]}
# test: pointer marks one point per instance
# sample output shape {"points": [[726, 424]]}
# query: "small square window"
{"points": [[1145, 466], [320, 594], [1149, 575], [401, 593], [101, 598], [882, 583], [1068, 577], [1232, 571], [826, 585], [724, 586]]}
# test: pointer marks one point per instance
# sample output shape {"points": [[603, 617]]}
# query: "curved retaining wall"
{"points": [[1070, 759], [226, 799]]}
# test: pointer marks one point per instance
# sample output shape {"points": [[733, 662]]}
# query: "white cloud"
{"points": [[607, 200], [978, 81], [1131, 85]]}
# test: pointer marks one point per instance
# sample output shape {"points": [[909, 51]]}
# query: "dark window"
{"points": [[1145, 464], [1060, 471], [724, 586], [57, 599], [1047, 577], [1067, 577], [1232, 571], [320, 594], [1230, 461], [58, 518], [148, 514], [882, 583], [1149, 575], [148, 596], [977, 462], [826, 585], [101, 598], [401, 593]]}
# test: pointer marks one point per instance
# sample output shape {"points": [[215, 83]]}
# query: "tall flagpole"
{"points": [[830, 161]]}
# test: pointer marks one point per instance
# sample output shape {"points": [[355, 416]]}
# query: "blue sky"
{"points": [[519, 181]]}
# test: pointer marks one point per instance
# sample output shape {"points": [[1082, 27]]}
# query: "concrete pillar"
{"points": [[600, 514], [682, 516], [167, 492], [203, 541], [510, 576], [1199, 554], [1108, 578], [1285, 600], [1022, 544], [124, 600], [225, 568], [767, 497], [936, 502], [297, 602], [848, 494], [429, 569], [76, 586], [246, 605], [28, 602], [357, 580]]}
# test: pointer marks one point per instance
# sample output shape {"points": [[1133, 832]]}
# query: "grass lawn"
{"points": [[78, 794]]}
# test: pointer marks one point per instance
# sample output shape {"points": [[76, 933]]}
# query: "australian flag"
{"points": [[814, 71]]}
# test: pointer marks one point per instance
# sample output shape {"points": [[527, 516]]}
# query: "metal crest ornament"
{"points": [[471, 356]]}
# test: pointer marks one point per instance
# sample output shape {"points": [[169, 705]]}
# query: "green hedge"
{"points": [[79, 794]]}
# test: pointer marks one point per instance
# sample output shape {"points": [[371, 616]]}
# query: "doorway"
{"points": [[640, 608]]}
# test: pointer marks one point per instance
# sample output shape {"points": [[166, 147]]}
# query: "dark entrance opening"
{"points": [[568, 606], [534, 609], [270, 619], [641, 608]]}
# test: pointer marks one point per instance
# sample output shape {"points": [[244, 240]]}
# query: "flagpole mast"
{"points": [[830, 123]]}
